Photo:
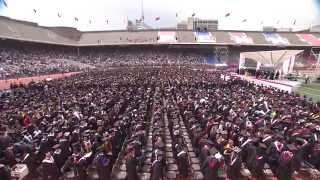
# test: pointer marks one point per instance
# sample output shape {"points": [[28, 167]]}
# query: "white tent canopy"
{"points": [[279, 60], [271, 58]]}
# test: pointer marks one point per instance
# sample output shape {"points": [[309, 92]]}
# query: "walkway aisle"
{"points": [[146, 168], [182, 145], [172, 167], [136, 133]]}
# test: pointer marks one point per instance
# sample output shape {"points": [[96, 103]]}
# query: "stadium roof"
{"points": [[25, 31]]}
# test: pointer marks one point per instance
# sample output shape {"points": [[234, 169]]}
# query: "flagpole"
{"points": [[293, 25], [142, 11], [310, 26], [176, 21]]}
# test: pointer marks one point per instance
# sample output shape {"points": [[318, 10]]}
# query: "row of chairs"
{"points": [[136, 139], [182, 142]]}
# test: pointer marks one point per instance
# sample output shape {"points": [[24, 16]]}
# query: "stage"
{"points": [[285, 85]]}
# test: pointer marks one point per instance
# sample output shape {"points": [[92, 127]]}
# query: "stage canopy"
{"points": [[271, 58], [278, 60]]}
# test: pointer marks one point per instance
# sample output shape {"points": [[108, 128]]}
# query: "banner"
{"points": [[167, 37], [242, 61], [276, 39], [258, 66], [205, 37], [310, 39], [287, 65], [240, 38]]}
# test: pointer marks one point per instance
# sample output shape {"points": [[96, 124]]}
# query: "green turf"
{"points": [[310, 90]]}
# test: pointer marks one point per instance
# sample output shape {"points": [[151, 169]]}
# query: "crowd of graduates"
{"points": [[168, 122]]}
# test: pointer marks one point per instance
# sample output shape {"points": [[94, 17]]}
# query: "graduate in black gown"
{"points": [[210, 167], [131, 165], [234, 164], [4, 172], [183, 163], [157, 168], [104, 166], [284, 170]]}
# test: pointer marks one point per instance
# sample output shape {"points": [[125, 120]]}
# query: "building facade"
{"points": [[197, 24]]}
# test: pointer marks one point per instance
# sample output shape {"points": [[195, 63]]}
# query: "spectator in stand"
{"points": [[33, 60]]}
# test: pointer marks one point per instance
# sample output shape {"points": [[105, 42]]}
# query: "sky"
{"points": [[113, 14]]}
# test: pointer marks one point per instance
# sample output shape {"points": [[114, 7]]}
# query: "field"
{"points": [[310, 90]]}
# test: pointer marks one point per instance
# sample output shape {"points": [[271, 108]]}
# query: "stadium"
{"points": [[186, 102]]}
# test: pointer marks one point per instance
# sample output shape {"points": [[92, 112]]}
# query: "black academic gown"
{"points": [[183, 164], [31, 162], [5, 173], [284, 171], [104, 166], [273, 157], [131, 166], [50, 170], [210, 169], [156, 170], [234, 167]]}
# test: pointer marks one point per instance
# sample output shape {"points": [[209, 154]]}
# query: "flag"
{"points": [[157, 19], [294, 22], [244, 20], [227, 15], [76, 19], [4, 3], [34, 10], [193, 14], [258, 66]]}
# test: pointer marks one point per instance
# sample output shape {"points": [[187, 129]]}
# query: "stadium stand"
{"points": [[317, 35], [30, 32], [67, 32], [222, 37], [21, 60], [14, 29], [294, 39], [186, 37], [205, 37], [121, 37], [167, 37], [310, 39], [7, 30], [258, 38], [275, 38], [241, 38]]}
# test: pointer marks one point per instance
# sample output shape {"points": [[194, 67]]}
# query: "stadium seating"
{"points": [[222, 37], [258, 38], [185, 37], [118, 37], [21, 60], [293, 39], [13, 29]]}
